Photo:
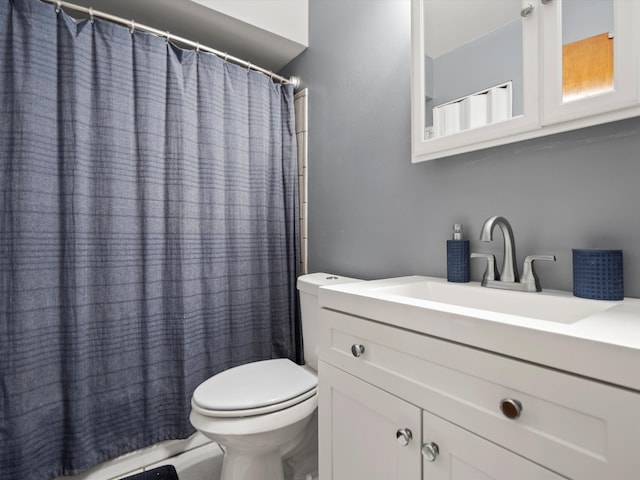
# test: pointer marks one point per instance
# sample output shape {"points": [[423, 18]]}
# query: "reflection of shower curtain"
{"points": [[148, 235]]}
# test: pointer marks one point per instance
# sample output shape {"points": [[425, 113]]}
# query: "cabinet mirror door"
{"points": [[588, 44], [473, 64], [477, 74]]}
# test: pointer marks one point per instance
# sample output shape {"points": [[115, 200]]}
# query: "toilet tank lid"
{"points": [[254, 385], [311, 282]]}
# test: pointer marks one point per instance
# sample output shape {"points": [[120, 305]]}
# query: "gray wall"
{"points": [[373, 214]]}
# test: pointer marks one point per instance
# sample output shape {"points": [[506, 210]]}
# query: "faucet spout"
{"points": [[509, 272]]}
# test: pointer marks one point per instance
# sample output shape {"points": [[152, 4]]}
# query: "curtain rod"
{"points": [[133, 25]]}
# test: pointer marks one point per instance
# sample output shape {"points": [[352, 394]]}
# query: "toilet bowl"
{"points": [[255, 412], [260, 411]]}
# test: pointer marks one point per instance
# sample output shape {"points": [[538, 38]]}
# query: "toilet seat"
{"points": [[255, 388], [224, 427], [254, 411]]}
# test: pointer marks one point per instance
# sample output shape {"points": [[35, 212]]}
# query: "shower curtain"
{"points": [[148, 239]]}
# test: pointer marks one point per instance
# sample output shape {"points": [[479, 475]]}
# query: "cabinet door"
{"points": [[478, 80], [591, 55], [461, 455], [358, 427]]}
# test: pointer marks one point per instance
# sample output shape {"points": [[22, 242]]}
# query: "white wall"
{"points": [[287, 18], [267, 33]]}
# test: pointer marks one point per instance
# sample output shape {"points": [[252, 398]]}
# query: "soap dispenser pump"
{"points": [[458, 257]]}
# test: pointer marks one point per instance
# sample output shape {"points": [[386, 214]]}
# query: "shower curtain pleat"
{"points": [[149, 235]]}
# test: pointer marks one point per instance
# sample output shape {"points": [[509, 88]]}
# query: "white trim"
{"points": [[139, 460]]}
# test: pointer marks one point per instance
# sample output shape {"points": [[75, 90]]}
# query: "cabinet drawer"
{"points": [[574, 426]]}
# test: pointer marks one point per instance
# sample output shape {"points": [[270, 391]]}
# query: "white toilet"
{"points": [[260, 411]]}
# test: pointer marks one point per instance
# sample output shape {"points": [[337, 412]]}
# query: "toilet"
{"points": [[260, 411]]}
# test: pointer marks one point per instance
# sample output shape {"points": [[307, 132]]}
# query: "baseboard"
{"points": [[153, 456]]}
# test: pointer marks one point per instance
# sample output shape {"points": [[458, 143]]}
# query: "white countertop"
{"points": [[603, 346]]}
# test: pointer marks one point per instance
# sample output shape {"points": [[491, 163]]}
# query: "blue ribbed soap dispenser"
{"points": [[458, 257]]}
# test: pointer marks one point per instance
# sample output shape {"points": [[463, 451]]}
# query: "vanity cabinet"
{"points": [[568, 64], [471, 413]]}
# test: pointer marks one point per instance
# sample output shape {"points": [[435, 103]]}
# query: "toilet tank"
{"points": [[308, 286]]}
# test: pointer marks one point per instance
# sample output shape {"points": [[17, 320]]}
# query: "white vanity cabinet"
{"points": [[571, 64], [379, 381]]}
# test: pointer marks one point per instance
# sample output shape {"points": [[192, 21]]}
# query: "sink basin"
{"points": [[557, 307]]}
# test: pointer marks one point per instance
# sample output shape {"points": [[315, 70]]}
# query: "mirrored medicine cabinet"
{"points": [[491, 72]]}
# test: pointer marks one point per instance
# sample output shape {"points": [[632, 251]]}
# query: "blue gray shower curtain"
{"points": [[148, 237]]}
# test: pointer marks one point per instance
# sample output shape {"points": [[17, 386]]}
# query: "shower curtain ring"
{"points": [[226, 56], [133, 26], [91, 14], [248, 67], [58, 6], [197, 48], [167, 37]]}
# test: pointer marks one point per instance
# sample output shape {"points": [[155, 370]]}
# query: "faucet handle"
{"points": [[491, 273], [529, 277]]}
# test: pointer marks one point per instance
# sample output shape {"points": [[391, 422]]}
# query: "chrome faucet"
{"points": [[508, 277], [509, 272]]}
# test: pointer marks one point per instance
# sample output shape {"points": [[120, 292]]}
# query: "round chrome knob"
{"points": [[404, 436], [357, 350], [430, 451], [511, 408], [526, 10]]}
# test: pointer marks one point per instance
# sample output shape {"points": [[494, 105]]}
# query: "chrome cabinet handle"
{"points": [[430, 451], [526, 10], [511, 408], [357, 350], [404, 436]]}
